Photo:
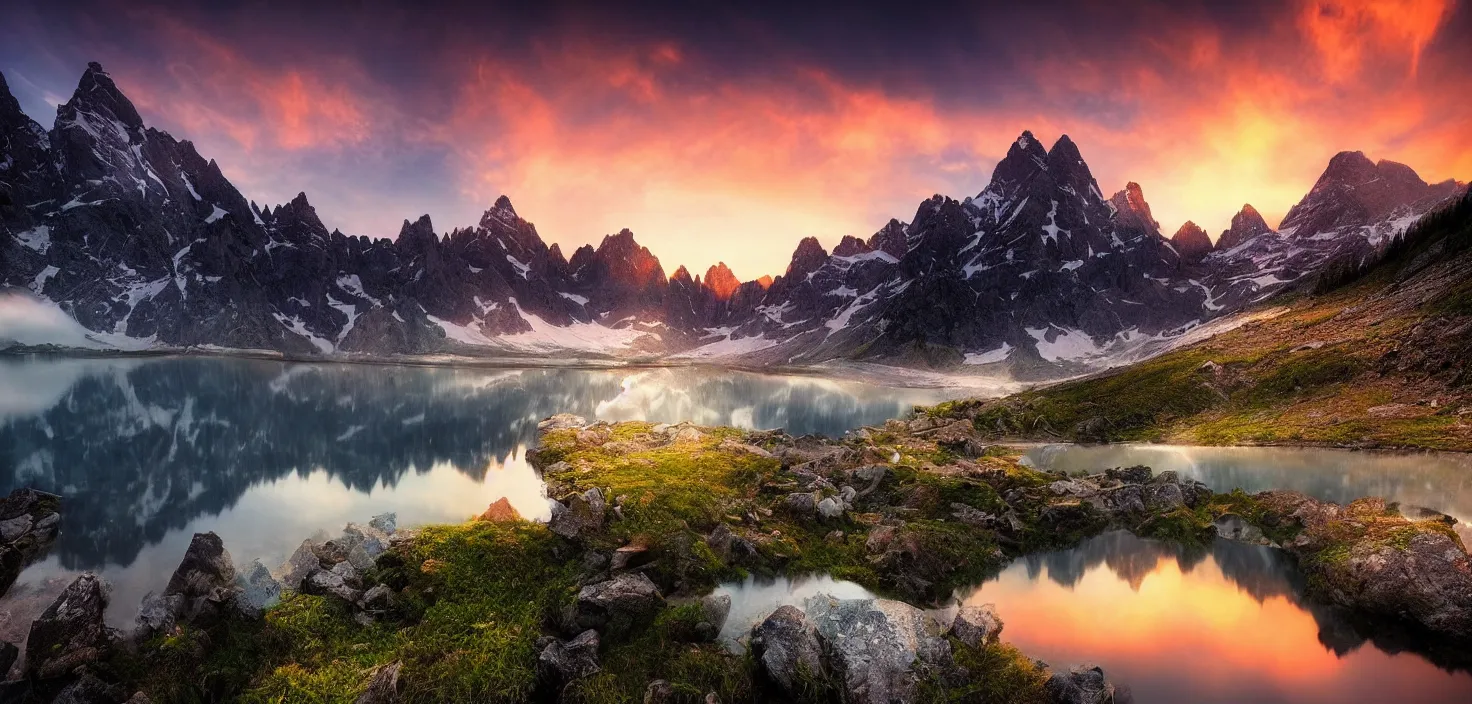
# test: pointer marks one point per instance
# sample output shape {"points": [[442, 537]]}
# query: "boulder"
{"points": [[88, 689], [300, 566], [1164, 497], [373, 540], [728, 545], [157, 614], [619, 603], [205, 579], [786, 643], [387, 523], [1138, 474], [28, 525], [378, 599], [384, 687], [15, 528], [801, 504], [830, 508], [714, 609], [256, 589], [561, 421], [582, 512], [659, 692], [331, 582], [1234, 527], [688, 434], [1083, 684], [1427, 580], [877, 646], [71, 632], [1076, 488], [977, 625], [564, 661]]}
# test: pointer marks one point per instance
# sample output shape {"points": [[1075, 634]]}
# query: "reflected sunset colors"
{"points": [[1223, 626]]}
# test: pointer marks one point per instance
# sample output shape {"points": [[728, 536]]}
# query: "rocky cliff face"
{"points": [[145, 243]]}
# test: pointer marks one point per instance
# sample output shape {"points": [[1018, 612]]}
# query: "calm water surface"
{"points": [[148, 452], [1222, 625]]}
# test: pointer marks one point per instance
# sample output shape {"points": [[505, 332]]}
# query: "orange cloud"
{"points": [[1344, 30]]}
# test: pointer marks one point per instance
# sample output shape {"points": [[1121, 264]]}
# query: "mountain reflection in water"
{"points": [[148, 451], [1225, 624]]}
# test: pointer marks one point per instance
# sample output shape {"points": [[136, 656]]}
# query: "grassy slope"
{"points": [[1323, 371]]}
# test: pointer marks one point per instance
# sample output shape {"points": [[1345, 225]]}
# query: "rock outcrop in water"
{"points": [[29, 522]]}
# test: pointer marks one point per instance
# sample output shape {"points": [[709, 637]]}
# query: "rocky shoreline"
{"points": [[610, 600]]}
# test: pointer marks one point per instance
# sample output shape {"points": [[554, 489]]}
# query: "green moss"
{"points": [[997, 674]]}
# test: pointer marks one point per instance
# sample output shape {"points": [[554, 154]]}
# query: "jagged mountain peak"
{"points": [[1353, 190], [850, 246], [96, 93], [1191, 242], [501, 213], [1246, 224], [682, 275], [1024, 158], [1132, 211], [892, 239], [8, 104], [721, 281], [806, 259]]}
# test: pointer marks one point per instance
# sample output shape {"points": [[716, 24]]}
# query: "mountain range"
{"points": [[144, 243]]}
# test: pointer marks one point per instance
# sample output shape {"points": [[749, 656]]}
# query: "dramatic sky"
{"points": [[720, 132]]}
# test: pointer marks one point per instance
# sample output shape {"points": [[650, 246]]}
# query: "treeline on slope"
{"points": [[1308, 375], [1444, 232]]}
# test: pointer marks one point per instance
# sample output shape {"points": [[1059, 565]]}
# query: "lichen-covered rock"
{"points": [[659, 692], [257, 590], [384, 687], [977, 625], [561, 421], [1129, 475], [564, 661], [877, 647], [714, 609], [830, 508], [157, 613], [619, 603], [71, 632], [88, 689], [1234, 527], [1163, 498], [801, 504], [582, 512], [786, 643], [300, 566], [1083, 684], [388, 523]]}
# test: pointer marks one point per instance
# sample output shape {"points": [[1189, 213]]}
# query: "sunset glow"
{"points": [[731, 144]]}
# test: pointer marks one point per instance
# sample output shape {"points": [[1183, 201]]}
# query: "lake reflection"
{"points": [[147, 452], [1221, 625], [1436, 480]]}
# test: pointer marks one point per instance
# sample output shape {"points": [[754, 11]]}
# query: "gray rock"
{"points": [[1169, 476], [386, 523], [582, 512], [618, 603], [349, 573], [830, 508], [847, 495], [786, 643], [372, 540], [1077, 488], [562, 421], [72, 631], [714, 609], [325, 582], [384, 687], [977, 625], [876, 646], [1083, 684], [88, 689], [378, 599], [1164, 497], [564, 661], [257, 589], [557, 468], [659, 692], [14, 528], [359, 558], [801, 504], [157, 614], [1234, 527], [206, 568], [1138, 474], [300, 566]]}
